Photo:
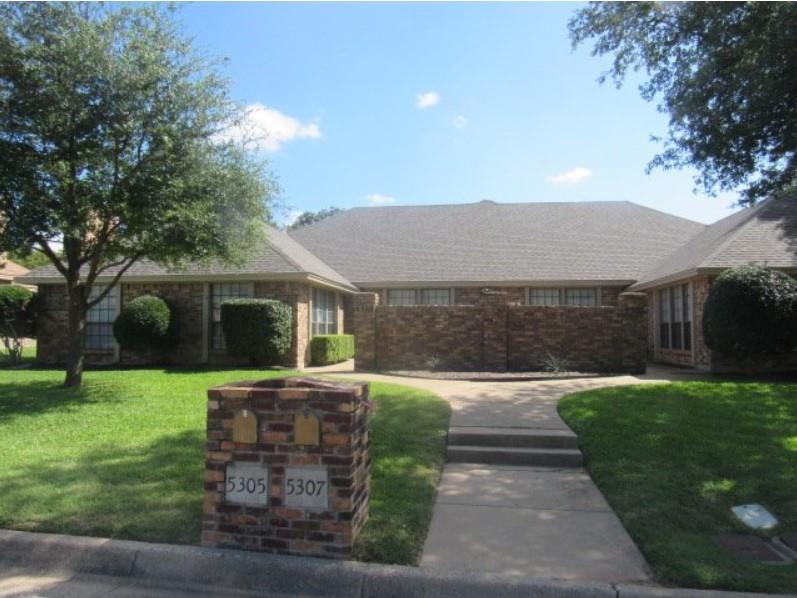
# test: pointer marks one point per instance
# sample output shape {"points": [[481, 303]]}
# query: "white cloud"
{"points": [[427, 99], [261, 127], [460, 122], [571, 176], [378, 199]]}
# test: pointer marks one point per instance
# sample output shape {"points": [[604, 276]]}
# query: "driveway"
{"points": [[518, 520]]}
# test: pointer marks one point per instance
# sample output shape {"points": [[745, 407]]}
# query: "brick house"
{"points": [[484, 285], [10, 270]]}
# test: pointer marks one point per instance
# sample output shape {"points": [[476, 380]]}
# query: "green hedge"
{"points": [[145, 324], [256, 329], [331, 348], [751, 310]]}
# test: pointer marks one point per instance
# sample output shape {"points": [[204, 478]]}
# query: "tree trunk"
{"points": [[76, 330]]}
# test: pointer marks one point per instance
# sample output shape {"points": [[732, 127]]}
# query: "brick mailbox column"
{"points": [[287, 466]]}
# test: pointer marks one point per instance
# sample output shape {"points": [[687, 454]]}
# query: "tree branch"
{"points": [[112, 284]]}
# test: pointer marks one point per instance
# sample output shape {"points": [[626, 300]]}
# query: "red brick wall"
{"points": [[495, 335], [342, 410], [189, 301], [588, 338]]}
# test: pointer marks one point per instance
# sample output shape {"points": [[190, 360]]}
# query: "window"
{"points": [[100, 319], [664, 318], [675, 318], [325, 312], [401, 296], [687, 303], [543, 296], [582, 297], [435, 296], [220, 293], [676, 311]]}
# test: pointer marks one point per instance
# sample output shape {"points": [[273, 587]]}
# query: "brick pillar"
{"points": [[364, 330], [287, 466], [494, 326], [634, 315]]}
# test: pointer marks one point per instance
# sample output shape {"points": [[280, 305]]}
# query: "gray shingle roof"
{"points": [[280, 255], [492, 242], [765, 234]]}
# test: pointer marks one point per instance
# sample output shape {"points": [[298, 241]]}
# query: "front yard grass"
{"points": [[673, 459], [123, 457]]}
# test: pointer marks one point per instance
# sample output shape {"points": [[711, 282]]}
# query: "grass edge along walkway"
{"points": [[123, 457], [672, 459]]}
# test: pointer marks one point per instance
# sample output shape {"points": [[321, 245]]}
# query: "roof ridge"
{"points": [[297, 264]]}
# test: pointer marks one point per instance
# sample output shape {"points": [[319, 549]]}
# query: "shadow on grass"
{"points": [[151, 492], [672, 460], [38, 396]]}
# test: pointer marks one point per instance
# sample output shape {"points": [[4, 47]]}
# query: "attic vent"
{"points": [[487, 202]]}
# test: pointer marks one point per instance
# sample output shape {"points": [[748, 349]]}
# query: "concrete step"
{"points": [[511, 437], [541, 457]]}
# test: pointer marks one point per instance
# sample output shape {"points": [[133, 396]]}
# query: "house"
{"points": [[10, 270], [483, 285]]}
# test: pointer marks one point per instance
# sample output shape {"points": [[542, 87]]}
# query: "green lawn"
{"points": [[673, 459], [28, 355], [123, 457]]}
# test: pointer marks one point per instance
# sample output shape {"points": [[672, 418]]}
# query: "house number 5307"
{"points": [[299, 486]]}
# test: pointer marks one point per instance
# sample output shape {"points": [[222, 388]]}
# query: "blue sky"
{"points": [[401, 104]]}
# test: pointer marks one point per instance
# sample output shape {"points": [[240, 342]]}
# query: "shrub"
{"points": [[145, 324], [331, 348], [258, 329], [17, 319], [751, 310]]}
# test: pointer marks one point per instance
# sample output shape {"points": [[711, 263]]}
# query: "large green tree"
{"points": [[306, 218], [113, 148], [725, 72]]}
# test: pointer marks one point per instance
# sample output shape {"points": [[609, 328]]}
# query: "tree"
{"points": [[726, 75], [31, 261], [306, 218], [17, 307], [112, 143]]}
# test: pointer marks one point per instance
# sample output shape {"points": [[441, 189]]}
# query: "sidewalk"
{"points": [[524, 521]]}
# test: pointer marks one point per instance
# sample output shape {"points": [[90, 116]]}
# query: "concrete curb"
{"points": [[278, 574]]}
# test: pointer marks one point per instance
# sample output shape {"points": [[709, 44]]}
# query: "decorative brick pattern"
{"points": [[498, 335], [344, 449]]}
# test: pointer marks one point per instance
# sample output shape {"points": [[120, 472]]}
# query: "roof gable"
{"points": [[279, 255], [765, 234]]}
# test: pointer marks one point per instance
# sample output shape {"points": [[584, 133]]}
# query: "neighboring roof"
{"points": [[10, 270], [494, 242], [279, 257], [765, 234]]}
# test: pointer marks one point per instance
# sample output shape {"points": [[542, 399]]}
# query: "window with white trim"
{"points": [[435, 296], [675, 318], [401, 296], [581, 297], [324, 319], [540, 296], [100, 319], [219, 293]]}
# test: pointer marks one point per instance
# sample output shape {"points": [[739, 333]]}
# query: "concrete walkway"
{"points": [[526, 521]]}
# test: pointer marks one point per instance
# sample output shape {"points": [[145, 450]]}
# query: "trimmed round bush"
{"points": [[331, 348], [751, 310], [145, 324], [256, 329]]}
